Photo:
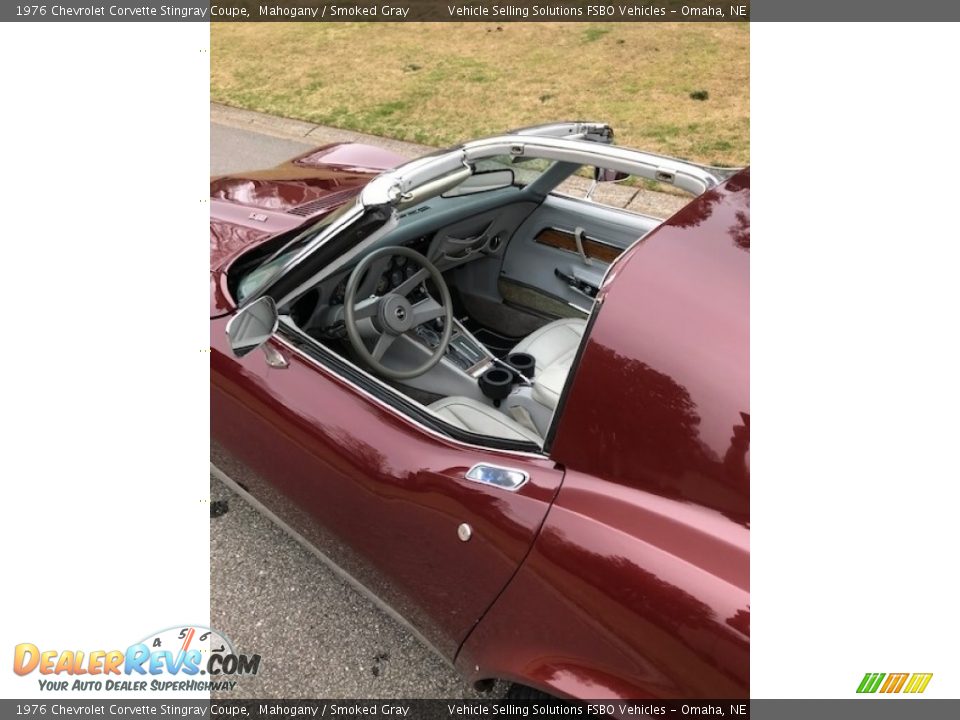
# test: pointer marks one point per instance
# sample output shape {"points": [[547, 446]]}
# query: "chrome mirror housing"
{"points": [[253, 325]]}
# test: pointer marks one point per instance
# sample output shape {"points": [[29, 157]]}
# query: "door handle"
{"points": [[581, 286], [501, 477], [578, 238], [478, 239]]}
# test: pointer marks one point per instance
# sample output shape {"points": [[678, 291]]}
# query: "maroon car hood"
{"points": [[247, 209], [226, 239], [282, 194], [307, 183]]}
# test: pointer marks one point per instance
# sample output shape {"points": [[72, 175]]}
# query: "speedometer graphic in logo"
{"points": [[180, 640]]}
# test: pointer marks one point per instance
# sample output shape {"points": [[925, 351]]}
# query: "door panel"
{"points": [[547, 256], [601, 251], [377, 493]]}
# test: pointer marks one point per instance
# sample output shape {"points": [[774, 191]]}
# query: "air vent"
{"points": [[308, 209]]}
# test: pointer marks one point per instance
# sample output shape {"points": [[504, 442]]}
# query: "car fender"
{"points": [[625, 594]]}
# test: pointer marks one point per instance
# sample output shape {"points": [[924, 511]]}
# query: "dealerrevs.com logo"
{"points": [[184, 658], [894, 683]]}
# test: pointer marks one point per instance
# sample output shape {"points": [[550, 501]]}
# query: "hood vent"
{"points": [[314, 206]]}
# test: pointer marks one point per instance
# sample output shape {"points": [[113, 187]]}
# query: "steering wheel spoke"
{"points": [[427, 310], [366, 308], [380, 347], [412, 282]]}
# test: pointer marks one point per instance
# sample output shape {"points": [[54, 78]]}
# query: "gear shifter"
{"points": [[430, 337]]}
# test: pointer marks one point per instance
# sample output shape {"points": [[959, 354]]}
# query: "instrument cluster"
{"points": [[399, 269]]}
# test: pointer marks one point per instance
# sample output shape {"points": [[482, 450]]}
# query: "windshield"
{"points": [[266, 270], [525, 169]]}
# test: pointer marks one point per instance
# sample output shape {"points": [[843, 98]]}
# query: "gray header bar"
{"points": [[374, 11], [478, 11]]}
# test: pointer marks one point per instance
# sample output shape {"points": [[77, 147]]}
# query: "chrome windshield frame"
{"points": [[393, 187]]}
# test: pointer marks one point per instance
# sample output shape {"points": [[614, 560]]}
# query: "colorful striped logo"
{"points": [[894, 682]]}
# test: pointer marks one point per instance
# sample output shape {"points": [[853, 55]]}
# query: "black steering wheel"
{"points": [[393, 314]]}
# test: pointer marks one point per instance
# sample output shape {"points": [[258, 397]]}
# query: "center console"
{"points": [[464, 351], [469, 369]]}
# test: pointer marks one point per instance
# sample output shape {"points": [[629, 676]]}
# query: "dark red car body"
{"points": [[621, 569]]}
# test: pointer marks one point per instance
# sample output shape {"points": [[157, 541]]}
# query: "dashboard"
{"points": [[398, 269], [427, 230]]}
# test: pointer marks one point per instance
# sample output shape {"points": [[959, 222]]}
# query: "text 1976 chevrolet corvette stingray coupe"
{"points": [[517, 419]]}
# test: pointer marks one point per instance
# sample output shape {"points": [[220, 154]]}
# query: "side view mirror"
{"points": [[253, 325], [607, 175], [604, 175]]}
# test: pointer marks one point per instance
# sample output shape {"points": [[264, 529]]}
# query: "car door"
{"points": [[384, 498], [557, 258]]}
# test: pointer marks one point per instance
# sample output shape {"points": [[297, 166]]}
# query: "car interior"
{"points": [[472, 305]]}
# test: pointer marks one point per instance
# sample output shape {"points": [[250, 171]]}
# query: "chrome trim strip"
{"points": [[370, 396], [488, 357], [694, 178], [474, 475], [480, 368], [323, 557]]}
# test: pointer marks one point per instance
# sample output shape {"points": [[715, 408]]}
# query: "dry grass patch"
{"points": [[680, 89]]}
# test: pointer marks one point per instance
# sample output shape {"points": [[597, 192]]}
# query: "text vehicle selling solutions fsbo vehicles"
{"points": [[515, 416]]}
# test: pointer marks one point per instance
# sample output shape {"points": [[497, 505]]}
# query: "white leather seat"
{"points": [[556, 341], [474, 416], [548, 383], [553, 348]]}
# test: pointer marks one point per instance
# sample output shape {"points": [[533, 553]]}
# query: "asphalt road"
{"points": [[234, 149], [318, 638]]}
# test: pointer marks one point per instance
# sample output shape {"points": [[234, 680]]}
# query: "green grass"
{"points": [[594, 32], [442, 83]]}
